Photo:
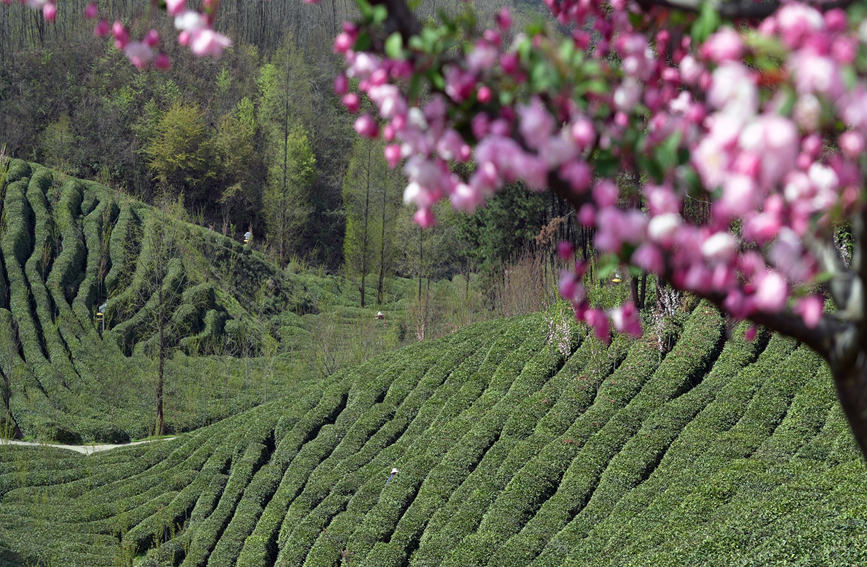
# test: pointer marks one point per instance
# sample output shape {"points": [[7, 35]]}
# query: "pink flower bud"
{"points": [[605, 193], [366, 126], [852, 144], [341, 84], [484, 94], [424, 218], [598, 321], [152, 38], [583, 133], [810, 309], [351, 102], [162, 62], [91, 11], [49, 12], [102, 28], [343, 42], [750, 334], [504, 19], [392, 155], [587, 215], [175, 7], [565, 250]]}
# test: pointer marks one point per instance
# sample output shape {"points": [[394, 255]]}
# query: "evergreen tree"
{"points": [[286, 198]]}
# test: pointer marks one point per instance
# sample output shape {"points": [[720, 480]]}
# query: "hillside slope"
{"points": [[724, 452], [68, 246]]}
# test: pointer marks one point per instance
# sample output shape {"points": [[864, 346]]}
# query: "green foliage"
{"points": [[180, 152], [286, 197], [726, 451]]}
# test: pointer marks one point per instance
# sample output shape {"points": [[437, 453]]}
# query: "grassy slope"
{"points": [[724, 452], [237, 323]]}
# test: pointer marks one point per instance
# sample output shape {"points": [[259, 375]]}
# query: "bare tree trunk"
{"points": [[365, 238], [851, 382], [420, 261], [160, 427], [380, 283]]}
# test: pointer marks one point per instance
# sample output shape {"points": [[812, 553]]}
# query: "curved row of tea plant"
{"points": [[722, 452], [68, 246]]}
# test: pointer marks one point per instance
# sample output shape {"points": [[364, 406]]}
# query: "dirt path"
{"points": [[83, 449]]}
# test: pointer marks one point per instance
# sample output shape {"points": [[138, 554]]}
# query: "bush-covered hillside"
{"points": [[722, 452], [66, 247]]}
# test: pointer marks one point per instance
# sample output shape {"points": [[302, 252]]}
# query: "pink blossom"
{"points": [[139, 54], [795, 21], [565, 250], [690, 70], [102, 28], [719, 247], [771, 292], [663, 228], [816, 74], [578, 174], [121, 35], [190, 20], [424, 218], [733, 88], [724, 45], [775, 139], [351, 102], [587, 215], [504, 19], [649, 258], [482, 58], [460, 84], [583, 132], [162, 62], [49, 11], [175, 7], [91, 11], [208, 42], [625, 319], [152, 38], [810, 309], [605, 193], [627, 95], [570, 287], [466, 198], [661, 199], [852, 144], [536, 123], [598, 321], [366, 126]]}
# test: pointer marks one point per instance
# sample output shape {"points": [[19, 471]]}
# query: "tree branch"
{"points": [[737, 9], [400, 18]]}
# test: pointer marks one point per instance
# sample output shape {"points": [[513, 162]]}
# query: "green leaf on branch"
{"points": [[608, 264], [667, 154], [363, 43], [394, 46], [380, 14], [706, 24], [606, 164]]}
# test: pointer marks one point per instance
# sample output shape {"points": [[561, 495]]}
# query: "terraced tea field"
{"points": [[68, 246], [723, 452]]}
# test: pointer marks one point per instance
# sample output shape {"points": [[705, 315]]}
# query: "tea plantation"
{"points": [[227, 314], [509, 453]]}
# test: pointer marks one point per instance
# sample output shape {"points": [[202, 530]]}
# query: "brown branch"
{"points": [[737, 9], [824, 338], [400, 18]]}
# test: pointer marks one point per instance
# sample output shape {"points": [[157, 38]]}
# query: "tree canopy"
{"points": [[630, 110]]}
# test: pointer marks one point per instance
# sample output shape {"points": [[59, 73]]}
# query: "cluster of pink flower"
{"points": [[775, 170], [195, 31]]}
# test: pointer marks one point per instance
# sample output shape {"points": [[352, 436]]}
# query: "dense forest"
{"points": [[255, 140]]}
